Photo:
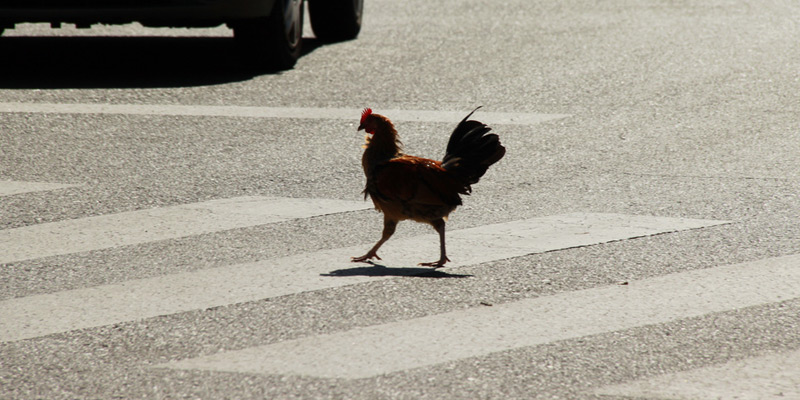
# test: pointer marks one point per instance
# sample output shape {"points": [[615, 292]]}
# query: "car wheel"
{"points": [[335, 20], [273, 42]]}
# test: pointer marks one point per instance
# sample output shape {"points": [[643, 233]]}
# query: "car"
{"points": [[268, 32]]}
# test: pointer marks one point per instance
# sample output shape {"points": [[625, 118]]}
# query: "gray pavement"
{"points": [[686, 112]]}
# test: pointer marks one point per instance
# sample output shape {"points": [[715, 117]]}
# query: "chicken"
{"points": [[407, 187]]}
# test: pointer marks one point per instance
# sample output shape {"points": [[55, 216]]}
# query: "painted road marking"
{"points": [[275, 112], [774, 376], [39, 315], [8, 188], [382, 349], [135, 227]]}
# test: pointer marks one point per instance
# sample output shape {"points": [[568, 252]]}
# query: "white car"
{"points": [[270, 32]]}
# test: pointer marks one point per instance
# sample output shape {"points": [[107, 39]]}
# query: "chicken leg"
{"points": [[439, 226], [389, 226]]}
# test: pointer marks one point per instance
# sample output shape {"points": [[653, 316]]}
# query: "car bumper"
{"points": [[147, 12]]}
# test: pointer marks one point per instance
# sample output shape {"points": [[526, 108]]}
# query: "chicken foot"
{"points": [[388, 230]]}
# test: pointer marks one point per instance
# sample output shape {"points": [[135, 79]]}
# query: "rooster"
{"points": [[407, 187]]}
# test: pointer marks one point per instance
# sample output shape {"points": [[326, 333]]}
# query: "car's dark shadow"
{"points": [[382, 270], [124, 62]]}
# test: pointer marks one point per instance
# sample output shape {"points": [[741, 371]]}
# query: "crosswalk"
{"points": [[32, 316], [135, 227], [371, 351], [773, 376], [8, 187], [272, 112], [457, 335]]}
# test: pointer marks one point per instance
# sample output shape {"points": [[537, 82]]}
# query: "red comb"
{"points": [[365, 113]]}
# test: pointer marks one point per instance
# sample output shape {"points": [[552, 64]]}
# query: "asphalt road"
{"points": [[639, 240]]}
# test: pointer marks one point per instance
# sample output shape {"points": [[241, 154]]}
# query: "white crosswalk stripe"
{"points": [[773, 376], [135, 227], [274, 112], [381, 349], [8, 188], [39, 315]]}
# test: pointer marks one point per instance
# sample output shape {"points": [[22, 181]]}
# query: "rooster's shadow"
{"points": [[382, 270]]}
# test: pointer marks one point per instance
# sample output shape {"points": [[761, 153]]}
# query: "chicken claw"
{"points": [[435, 264], [365, 258]]}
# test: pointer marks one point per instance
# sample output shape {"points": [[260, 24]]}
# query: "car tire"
{"points": [[335, 20], [272, 42]]}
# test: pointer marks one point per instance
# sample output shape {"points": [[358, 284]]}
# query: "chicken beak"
{"points": [[360, 127]]}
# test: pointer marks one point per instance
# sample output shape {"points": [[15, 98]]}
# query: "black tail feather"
{"points": [[471, 150]]}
